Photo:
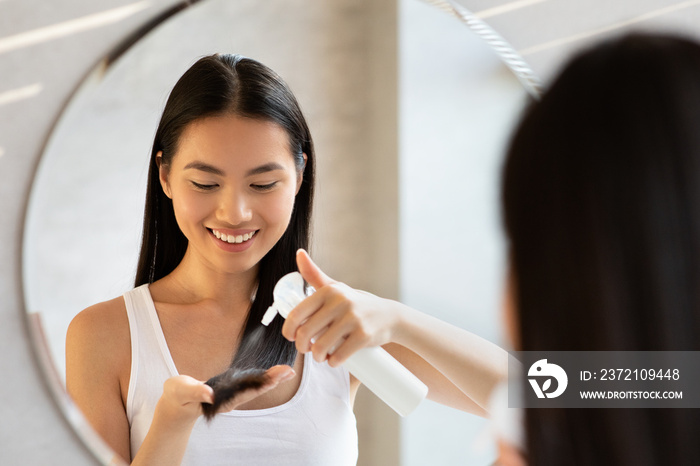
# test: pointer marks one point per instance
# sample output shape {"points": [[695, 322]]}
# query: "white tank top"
{"points": [[316, 427]]}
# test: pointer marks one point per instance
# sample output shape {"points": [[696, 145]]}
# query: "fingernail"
{"points": [[290, 374]]}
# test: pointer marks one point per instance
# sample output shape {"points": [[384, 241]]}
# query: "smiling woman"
{"points": [[241, 169], [232, 155]]}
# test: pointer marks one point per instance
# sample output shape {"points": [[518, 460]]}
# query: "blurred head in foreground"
{"points": [[601, 200]]}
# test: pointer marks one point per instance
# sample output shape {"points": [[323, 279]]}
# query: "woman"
{"points": [[601, 198], [228, 206]]}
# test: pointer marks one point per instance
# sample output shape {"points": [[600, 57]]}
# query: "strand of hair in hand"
{"points": [[229, 384]]}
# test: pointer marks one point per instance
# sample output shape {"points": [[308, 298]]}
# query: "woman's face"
{"points": [[233, 183]]}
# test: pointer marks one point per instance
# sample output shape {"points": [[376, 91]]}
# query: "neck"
{"points": [[192, 281]]}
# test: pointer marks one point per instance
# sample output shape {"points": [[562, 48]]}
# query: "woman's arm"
{"points": [[97, 353], [460, 368], [449, 358]]}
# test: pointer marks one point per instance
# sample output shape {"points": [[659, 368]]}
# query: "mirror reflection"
{"points": [[85, 220]]}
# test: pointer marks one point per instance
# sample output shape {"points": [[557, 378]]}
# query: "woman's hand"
{"points": [[232, 390], [337, 320], [180, 403], [179, 408], [183, 395]]}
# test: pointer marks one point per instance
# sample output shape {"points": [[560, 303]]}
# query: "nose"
{"points": [[235, 208]]}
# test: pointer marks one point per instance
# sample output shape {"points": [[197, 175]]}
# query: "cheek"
{"points": [[188, 208], [278, 208]]}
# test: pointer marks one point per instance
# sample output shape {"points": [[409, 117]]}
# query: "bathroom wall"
{"points": [[457, 103]]}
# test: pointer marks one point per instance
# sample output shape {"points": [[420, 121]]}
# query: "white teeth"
{"points": [[233, 239]]}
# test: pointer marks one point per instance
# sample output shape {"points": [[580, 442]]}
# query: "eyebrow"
{"points": [[205, 167], [268, 167]]}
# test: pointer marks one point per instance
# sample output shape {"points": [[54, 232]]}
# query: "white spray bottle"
{"points": [[373, 366]]}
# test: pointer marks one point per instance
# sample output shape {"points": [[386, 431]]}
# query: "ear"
{"points": [[300, 174], [163, 173]]}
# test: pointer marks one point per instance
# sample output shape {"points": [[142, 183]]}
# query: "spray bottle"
{"points": [[373, 366]]}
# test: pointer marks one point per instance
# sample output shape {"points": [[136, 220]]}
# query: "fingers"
{"points": [[275, 376], [313, 315], [183, 390], [281, 373], [340, 341], [181, 401], [300, 315], [346, 349], [313, 275], [307, 323], [329, 322]]}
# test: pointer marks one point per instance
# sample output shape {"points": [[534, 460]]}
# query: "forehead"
{"points": [[231, 140]]}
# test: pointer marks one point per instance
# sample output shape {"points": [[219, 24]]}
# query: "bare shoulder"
{"points": [[98, 360], [100, 332], [102, 320]]}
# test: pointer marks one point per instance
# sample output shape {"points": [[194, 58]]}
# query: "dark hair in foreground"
{"points": [[231, 85], [601, 198]]}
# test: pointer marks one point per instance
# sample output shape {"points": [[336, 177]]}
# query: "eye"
{"points": [[263, 187], [204, 187]]}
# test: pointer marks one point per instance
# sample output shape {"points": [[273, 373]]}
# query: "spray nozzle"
{"points": [[270, 314], [288, 293]]}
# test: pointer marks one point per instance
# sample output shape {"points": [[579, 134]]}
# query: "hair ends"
{"points": [[229, 384]]}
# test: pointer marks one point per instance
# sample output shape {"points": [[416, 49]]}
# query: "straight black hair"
{"points": [[218, 85], [601, 201]]}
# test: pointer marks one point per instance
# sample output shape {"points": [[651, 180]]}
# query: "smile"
{"points": [[234, 239]]}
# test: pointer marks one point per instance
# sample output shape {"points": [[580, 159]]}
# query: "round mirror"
{"points": [[408, 132]]}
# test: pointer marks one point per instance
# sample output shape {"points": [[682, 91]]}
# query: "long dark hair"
{"points": [[217, 85], [601, 199]]}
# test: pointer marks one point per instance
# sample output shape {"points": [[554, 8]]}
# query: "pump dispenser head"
{"points": [[288, 292]]}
